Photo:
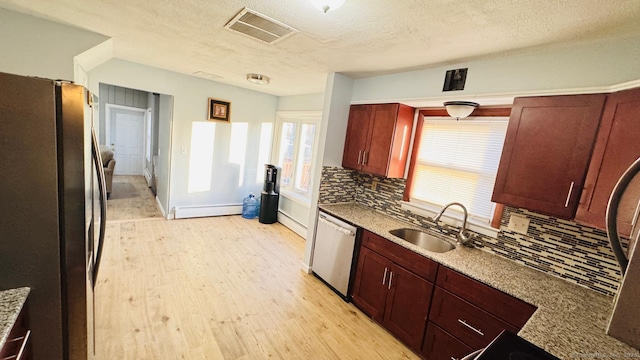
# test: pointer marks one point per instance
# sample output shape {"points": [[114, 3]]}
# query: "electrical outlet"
{"points": [[519, 224], [374, 185]]}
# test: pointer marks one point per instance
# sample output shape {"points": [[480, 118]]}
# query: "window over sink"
{"points": [[456, 161]]}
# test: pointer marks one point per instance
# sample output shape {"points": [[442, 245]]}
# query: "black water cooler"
{"points": [[269, 198]]}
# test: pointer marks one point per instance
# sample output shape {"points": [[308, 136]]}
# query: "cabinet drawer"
{"points": [[472, 325], [17, 340], [406, 258], [439, 345], [514, 311]]}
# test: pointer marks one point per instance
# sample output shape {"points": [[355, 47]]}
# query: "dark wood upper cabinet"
{"points": [[356, 140], [547, 151], [616, 148], [378, 138]]}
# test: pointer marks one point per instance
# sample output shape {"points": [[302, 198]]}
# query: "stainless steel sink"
{"points": [[423, 240]]}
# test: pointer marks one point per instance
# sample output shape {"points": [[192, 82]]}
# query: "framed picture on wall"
{"points": [[219, 110]]}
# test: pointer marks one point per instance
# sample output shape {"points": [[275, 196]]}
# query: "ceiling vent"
{"points": [[259, 27]]}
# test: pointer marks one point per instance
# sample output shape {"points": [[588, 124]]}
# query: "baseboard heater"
{"points": [[184, 212]]}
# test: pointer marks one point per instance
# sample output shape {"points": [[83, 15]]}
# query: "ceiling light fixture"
{"points": [[258, 79], [326, 5], [460, 109]]}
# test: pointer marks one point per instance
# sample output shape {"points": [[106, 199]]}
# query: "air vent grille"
{"points": [[259, 27]]}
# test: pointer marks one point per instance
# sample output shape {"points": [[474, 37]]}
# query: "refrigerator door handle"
{"points": [[612, 213], [97, 161]]}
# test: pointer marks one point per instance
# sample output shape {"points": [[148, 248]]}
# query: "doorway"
{"points": [[126, 137]]}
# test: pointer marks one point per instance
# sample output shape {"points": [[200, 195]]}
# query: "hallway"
{"points": [[131, 198]]}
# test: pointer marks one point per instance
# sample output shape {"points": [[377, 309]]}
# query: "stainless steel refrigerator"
{"points": [[624, 208], [53, 203]]}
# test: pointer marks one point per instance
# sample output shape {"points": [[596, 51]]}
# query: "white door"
{"points": [[127, 140]]}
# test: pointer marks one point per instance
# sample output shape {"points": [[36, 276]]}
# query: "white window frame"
{"points": [[454, 216], [300, 118]]}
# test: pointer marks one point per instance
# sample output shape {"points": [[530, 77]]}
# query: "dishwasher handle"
{"points": [[335, 226]]}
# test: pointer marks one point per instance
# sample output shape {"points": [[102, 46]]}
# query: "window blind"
{"points": [[458, 161]]}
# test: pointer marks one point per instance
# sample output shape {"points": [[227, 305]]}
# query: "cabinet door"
{"points": [[440, 345], [356, 139], [380, 138], [617, 147], [405, 313], [546, 153], [370, 288]]}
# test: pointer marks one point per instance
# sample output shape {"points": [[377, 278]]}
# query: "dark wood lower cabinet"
{"points": [[470, 324], [440, 345], [370, 292], [392, 295], [445, 321], [407, 306], [18, 343]]}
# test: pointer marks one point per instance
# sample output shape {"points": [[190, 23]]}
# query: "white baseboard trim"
{"points": [[183, 212], [147, 176], [292, 224], [306, 268]]}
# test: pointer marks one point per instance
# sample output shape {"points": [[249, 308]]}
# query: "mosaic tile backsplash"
{"points": [[576, 253]]}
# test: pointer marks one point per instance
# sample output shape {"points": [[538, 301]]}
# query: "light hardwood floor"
{"points": [[222, 288], [131, 198]]}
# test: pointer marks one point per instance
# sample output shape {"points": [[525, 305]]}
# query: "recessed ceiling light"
{"points": [[258, 79]]}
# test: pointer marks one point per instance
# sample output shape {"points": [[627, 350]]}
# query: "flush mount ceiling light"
{"points": [[326, 5], [258, 79], [460, 109]]}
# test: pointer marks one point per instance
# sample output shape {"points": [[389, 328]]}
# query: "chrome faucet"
{"points": [[463, 235]]}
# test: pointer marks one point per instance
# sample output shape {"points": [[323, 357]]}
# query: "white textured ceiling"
{"points": [[362, 38]]}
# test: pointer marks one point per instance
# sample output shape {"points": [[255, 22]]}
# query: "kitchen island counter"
{"points": [[570, 321], [11, 303]]}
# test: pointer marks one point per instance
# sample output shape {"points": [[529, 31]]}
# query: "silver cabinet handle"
{"points": [[359, 157], [390, 280], [364, 158], [384, 278], [635, 216], [452, 358], [25, 340], [470, 327], [566, 203]]}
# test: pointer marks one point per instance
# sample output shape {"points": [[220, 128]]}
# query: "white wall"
{"points": [[575, 66], [306, 102], [36, 47], [248, 108], [333, 129], [163, 171]]}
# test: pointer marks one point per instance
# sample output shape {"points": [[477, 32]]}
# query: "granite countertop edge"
{"points": [[570, 321], [11, 303]]}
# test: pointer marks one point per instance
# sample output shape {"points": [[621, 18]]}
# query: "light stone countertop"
{"points": [[11, 302], [570, 321]]}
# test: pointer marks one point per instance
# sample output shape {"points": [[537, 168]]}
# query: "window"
{"points": [[457, 161], [295, 152]]}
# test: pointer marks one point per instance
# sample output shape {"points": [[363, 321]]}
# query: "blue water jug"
{"points": [[249, 206]]}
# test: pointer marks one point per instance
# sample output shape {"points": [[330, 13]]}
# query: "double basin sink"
{"points": [[424, 240]]}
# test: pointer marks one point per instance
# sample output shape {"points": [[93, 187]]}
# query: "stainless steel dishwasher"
{"points": [[333, 252]]}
